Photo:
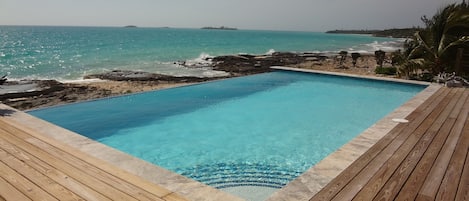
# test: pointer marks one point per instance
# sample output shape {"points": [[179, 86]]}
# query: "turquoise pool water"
{"points": [[260, 130]]}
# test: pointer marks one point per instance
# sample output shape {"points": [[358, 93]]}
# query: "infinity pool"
{"points": [[261, 130]]}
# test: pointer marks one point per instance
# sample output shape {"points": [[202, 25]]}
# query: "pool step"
{"points": [[226, 175]]}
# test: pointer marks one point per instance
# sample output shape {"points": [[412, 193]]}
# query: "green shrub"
{"points": [[427, 77], [386, 70]]}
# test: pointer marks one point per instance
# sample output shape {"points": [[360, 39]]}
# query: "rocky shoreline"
{"points": [[34, 94]]}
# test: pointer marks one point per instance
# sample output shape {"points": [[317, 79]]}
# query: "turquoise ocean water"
{"points": [[69, 53]]}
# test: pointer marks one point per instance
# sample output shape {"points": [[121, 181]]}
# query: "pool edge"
{"points": [[388, 79], [318, 176]]}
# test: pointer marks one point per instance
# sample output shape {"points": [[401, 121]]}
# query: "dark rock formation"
{"points": [[251, 64], [47, 93], [39, 88], [125, 75]]}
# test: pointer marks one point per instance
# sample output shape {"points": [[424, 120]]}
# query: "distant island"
{"points": [[220, 28], [130, 26], [394, 33]]}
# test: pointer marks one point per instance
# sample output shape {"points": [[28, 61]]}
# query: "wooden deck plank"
{"points": [[415, 181], [107, 178], [447, 189], [118, 173], [385, 151], [25, 186], [434, 178], [431, 164], [399, 177], [74, 170], [338, 183], [463, 187], [51, 172], [9, 192], [409, 152], [37, 178], [381, 168], [68, 169]]}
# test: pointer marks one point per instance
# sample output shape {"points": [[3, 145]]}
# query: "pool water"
{"points": [[262, 130]]}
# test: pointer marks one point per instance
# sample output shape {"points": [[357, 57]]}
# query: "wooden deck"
{"points": [[36, 167], [425, 159]]}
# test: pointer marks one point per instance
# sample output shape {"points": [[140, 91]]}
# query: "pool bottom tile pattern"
{"points": [[234, 175]]}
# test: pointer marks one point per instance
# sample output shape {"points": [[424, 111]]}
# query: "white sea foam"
{"points": [[387, 46], [270, 52], [204, 59], [370, 48]]}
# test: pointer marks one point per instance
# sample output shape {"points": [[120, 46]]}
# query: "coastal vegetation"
{"points": [[442, 46], [393, 33], [386, 70], [343, 57], [439, 46], [380, 57], [355, 56]]}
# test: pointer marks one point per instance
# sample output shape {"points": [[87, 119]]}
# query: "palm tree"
{"points": [[409, 62], [355, 56], [380, 56], [444, 33], [343, 57]]}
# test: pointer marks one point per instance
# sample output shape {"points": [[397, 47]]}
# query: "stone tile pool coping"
{"points": [[302, 188]]}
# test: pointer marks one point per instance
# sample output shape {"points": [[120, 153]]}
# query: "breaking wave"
{"points": [[203, 60], [387, 46], [270, 52]]}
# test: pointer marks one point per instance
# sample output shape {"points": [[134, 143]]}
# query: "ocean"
{"points": [[69, 53]]}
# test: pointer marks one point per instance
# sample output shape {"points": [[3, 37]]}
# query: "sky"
{"points": [[293, 15]]}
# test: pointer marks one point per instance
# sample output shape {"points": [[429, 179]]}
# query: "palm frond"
{"points": [[464, 41]]}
